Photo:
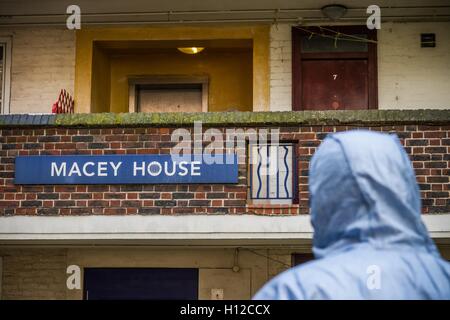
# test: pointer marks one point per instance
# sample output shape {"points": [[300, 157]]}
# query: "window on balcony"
{"points": [[273, 173]]}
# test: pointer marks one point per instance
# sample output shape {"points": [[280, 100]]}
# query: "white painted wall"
{"points": [[409, 77], [43, 63], [280, 67]]}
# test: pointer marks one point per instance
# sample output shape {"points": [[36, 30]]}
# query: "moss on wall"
{"points": [[292, 118]]}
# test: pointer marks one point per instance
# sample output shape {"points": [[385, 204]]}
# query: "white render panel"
{"points": [[280, 67], [411, 77], [189, 227]]}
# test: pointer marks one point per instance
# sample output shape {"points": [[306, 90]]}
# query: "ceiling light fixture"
{"points": [[334, 11], [191, 50]]}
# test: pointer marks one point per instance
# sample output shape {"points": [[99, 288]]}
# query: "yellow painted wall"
{"points": [[101, 81], [86, 37], [229, 73]]}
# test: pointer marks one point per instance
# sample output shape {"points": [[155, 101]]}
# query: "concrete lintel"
{"points": [[203, 228]]}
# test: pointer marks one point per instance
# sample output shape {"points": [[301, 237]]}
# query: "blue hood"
{"points": [[366, 214], [363, 191]]}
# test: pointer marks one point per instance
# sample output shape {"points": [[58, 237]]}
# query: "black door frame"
{"points": [[190, 272]]}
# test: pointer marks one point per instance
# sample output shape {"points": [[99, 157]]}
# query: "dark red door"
{"points": [[334, 84], [334, 68]]}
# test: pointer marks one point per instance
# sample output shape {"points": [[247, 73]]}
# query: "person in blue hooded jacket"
{"points": [[369, 240]]}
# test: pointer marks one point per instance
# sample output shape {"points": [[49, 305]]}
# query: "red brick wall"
{"points": [[428, 147]]}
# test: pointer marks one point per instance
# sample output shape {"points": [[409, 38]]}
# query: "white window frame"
{"points": [[6, 78], [269, 199]]}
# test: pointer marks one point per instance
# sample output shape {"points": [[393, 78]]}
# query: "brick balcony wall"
{"points": [[428, 146]]}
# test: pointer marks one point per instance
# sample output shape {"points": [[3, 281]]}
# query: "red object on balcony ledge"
{"points": [[64, 104]]}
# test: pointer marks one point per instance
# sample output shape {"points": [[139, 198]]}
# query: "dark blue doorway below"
{"points": [[140, 284]]}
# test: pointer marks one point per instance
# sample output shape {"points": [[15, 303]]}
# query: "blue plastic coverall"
{"points": [[369, 240]]}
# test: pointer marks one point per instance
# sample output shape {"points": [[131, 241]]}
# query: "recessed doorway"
{"points": [[168, 94]]}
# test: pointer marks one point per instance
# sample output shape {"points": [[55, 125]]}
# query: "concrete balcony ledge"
{"points": [[209, 230], [288, 118]]}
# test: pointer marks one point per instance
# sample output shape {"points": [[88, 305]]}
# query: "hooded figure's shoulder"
{"points": [[312, 280], [368, 232], [363, 274]]}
